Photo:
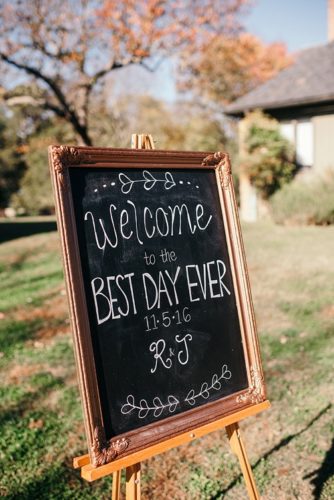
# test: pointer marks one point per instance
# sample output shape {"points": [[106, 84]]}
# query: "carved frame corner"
{"points": [[256, 390], [222, 162], [103, 451], [65, 156]]}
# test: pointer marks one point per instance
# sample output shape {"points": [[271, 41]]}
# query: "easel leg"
{"points": [[132, 491], [238, 448], [116, 485], [133, 482]]}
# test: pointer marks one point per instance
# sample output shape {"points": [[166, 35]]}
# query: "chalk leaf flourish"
{"points": [[148, 181], [143, 408], [206, 389]]}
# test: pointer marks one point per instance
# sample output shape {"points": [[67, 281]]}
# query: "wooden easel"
{"points": [[132, 466]]}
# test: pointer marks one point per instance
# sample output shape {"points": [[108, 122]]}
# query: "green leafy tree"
{"points": [[12, 159], [180, 126], [268, 157], [34, 195], [173, 127]]}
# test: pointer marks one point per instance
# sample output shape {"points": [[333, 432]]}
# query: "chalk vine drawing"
{"points": [[206, 388], [157, 406], [144, 408], [149, 181]]}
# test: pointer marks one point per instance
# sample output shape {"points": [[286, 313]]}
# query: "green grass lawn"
{"points": [[290, 446]]}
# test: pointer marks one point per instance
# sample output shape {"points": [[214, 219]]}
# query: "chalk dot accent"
{"points": [[95, 190], [112, 183], [197, 187], [158, 321], [188, 182], [104, 185], [180, 182]]}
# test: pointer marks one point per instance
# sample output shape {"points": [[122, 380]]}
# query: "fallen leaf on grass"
{"points": [[19, 372], [328, 311], [284, 471], [38, 344], [36, 424]]}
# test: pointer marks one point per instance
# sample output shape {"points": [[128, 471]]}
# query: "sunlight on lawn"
{"points": [[292, 277]]}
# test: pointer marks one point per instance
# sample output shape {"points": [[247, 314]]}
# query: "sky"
{"points": [[298, 23]]}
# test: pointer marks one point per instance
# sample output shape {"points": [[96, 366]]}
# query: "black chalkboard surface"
{"points": [[161, 312], [159, 291]]}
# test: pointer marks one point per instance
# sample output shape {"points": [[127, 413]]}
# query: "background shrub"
{"points": [[307, 200], [268, 157]]}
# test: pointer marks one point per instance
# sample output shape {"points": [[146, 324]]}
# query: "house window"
{"points": [[305, 143], [301, 135], [288, 131]]}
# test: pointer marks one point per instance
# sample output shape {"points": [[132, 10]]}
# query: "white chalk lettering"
{"points": [[221, 272], [99, 293], [183, 355], [113, 296], [201, 283], [129, 223], [199, 208], [162, 287], [158, 348], [149, 235]]}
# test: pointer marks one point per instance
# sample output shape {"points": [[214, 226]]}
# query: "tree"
{"points": [[181, 126], [69, 46], [269, 157], [229, 67], [34, 195], [12, 162]]}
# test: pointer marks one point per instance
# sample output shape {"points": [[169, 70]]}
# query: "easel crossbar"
{"points": [[91, 473]]}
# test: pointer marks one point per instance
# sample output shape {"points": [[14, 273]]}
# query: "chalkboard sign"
{"points": [[159, 296]]}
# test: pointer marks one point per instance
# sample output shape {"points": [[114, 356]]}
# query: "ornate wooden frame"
{"points": [[62, 158]]}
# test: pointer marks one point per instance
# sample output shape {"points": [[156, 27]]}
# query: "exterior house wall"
{"points": [[248, 196], [317, 143], [323, 142], [313, 138]]}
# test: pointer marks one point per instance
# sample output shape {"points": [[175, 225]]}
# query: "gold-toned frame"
{"points": [[62, 158]]}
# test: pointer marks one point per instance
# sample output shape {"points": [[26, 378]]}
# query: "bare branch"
{"points": [[65, 106], [153, 68]]}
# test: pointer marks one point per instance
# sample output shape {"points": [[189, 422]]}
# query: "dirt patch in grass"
{"points": [[54, 307], [19, 372], [53, 313], [328, 312]]}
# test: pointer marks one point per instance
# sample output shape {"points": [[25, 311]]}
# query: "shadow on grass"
{"points": [[277, 447], [56, 482], [13, 333], [16, 411], [35, 282], [11, 230], [323, 473]]}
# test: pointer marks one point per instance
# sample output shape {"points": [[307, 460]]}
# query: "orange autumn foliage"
{"points": [[155, 27], [229, 67], [68, 47]]}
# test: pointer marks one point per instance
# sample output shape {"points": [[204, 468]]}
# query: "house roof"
{"points": [[310, 79]]}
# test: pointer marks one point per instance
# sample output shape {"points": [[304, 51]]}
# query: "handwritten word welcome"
{"points": [[133, 223]]}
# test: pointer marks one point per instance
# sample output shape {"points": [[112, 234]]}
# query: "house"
{"points": [[301, 98]]}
